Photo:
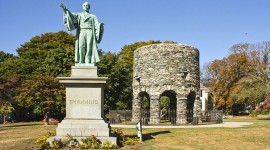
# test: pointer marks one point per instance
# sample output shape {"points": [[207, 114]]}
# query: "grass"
{"points": [[256, 136], [251, 137], [22, 135]]}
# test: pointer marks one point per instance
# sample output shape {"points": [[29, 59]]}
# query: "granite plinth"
{"points": [[80, 71], [84, 106]]}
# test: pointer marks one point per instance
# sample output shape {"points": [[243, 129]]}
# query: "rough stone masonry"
{"points": [[171, 68]]}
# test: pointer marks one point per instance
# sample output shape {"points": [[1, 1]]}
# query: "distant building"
{"points": [[204, 96]]}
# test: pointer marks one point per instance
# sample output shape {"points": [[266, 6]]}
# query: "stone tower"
{"points": [[166, 70]]}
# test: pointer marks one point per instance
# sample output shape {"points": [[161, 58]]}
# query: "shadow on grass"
{"points": [[21, 124], [263, 118], [150, 136]]}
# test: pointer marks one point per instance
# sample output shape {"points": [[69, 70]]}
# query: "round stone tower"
{"points": [[170, 70]]}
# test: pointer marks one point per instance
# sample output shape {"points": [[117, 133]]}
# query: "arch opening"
{"points": [[168, 103], [145, 105], [190, 105]]}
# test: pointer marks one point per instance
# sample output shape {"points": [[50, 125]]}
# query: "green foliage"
{"points": [[49, 53], [106, 68], [254, 113], [42, 142], [240, 78], [27, 79], [58, 62], [4, 56], [131, 141], [38, 47], [82, 146], [250, 90], [90, 142], [5, 109], [119, 69], [125, 140], [67, 140], [108, 145], [56, 144], [124, 68], [164, 102], [8, 88], [146, 103], [39, 61], [43, 94]]}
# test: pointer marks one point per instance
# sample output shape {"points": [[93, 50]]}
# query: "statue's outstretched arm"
{"points": [[63, 7]]}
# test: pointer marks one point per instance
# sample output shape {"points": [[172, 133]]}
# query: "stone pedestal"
{"points": [[84, 106]]}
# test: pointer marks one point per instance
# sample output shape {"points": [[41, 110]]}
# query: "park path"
{"points": [[221, 125]]}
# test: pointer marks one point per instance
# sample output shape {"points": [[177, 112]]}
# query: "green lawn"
{"points": [[256, 136]]}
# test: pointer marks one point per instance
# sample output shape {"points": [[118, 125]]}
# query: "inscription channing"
{"points": [[83, 101]]}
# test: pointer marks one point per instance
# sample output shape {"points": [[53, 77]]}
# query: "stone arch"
{"points": [[142, 109], [169, 112], [172, 96], [190, 105], [145, 105]]}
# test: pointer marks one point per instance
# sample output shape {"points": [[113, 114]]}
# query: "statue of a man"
{"points": [[89, 33]]}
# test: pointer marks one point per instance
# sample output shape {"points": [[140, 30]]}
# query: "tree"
{"points": [[248, 91], [234, 78], [164, 105], [50, 53], [4, 56], [58, 62], [44, 95], [106, 68], [264, 107], [5, 109], [42, 58]]}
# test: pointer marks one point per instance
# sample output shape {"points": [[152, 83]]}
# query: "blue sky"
{"points": [[212, 26]]}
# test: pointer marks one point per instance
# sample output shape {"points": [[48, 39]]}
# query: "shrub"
{"points": [[82, 146], [66, 141], [108, 145], [125, 140], [90, 142], [120, 136], [42, 141], [56, 144], [254, 113], [264, 107], [131, 141]]}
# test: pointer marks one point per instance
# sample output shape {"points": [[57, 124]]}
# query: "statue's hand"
{"points": [[63, 6]]}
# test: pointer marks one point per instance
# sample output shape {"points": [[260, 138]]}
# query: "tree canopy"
{"points": [[28, 80], [242, 77]]}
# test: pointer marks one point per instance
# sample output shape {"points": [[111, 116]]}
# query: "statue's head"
{"points": [[86, 6]]}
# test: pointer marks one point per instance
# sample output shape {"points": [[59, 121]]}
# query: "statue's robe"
{"points": [[72, 21]]}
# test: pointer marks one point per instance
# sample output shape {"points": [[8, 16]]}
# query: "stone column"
{"points": [[181, 112], [154, 109], [136, 109], [197, 110]]}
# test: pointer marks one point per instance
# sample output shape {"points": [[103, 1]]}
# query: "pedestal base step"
{"points": [[112, 139]]}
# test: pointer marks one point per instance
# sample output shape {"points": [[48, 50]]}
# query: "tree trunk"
{"points": [[4, 119], [46, 118], [163, 112]]}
